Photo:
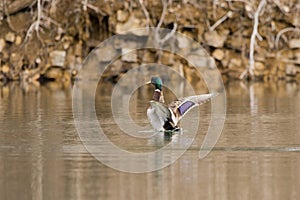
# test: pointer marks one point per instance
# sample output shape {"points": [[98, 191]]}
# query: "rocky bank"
{"points": [[47, 40]]}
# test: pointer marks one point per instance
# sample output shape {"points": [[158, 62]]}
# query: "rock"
{"points": [[5, 69], [16, 60], [122, 15], [235, 64], [183, 42], [18, 40], [298, 78], [71, 59], [218, 54], [129, 55], [66, 76], [38, 60], [131, 23], [234, 74], [116, 67], [74, 73], [281, 66], [57, 58], [105, 54], [66, 45], [54, 73], [148, 57], [294, 43], [235, 41], [30, 76], [198, 61], [258, 72], [214, 39], [259, 66], [280, 75], [78, 49], [2, 44], [297, 56], [10, 37], [167, 58], [290, 70]]}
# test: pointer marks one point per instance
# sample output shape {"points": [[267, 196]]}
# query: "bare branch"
{"points": [[40, 21], [146, 13], [282, 32], [39, 16], [35, 26], [163, 14], [85, 3], [169, 35], [250, 68], [283, 9]]}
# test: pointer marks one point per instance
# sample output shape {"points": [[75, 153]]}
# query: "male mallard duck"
{"points": [[164, 117]]}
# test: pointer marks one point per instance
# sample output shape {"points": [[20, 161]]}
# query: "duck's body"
{"points": [[164, 117]]}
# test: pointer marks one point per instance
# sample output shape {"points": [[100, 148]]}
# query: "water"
{"points": [[256, 157]]}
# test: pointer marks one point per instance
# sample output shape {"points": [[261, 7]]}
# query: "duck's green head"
{"points": [[157, 82]]}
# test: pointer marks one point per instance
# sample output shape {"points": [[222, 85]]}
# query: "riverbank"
{"points": [[48, 40]]}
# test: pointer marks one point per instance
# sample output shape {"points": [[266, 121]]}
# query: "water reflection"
{"points": [[257, 156]]}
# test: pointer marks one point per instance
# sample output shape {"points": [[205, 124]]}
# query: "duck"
{"points": [[163, 117]]}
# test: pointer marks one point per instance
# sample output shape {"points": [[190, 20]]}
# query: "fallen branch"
{"points": [[221, 20], [250, 68]]}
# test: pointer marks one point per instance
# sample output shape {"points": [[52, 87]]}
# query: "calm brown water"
{"points": [[256, 157]]}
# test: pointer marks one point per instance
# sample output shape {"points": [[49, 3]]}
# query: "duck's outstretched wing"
{"points": [[181, 106]]}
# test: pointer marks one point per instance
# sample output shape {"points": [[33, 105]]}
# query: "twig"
{"points": [[169, 35], [85, 2], [146, 13], [7, 15], [39, 10], [282, 32], [215, 2], [53, 6], [277, 3], [35, 26], [221, 20], [250, 69], [90, 6], [245, 2]]}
